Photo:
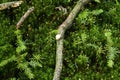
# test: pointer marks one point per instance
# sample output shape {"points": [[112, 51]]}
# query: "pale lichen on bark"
{"points": [[10, 4]]}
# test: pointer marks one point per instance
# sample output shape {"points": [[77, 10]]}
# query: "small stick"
{"points": [[10, 4], [30, 10]]}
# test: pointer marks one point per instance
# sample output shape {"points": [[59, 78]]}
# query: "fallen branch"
{"points": [[24, 17], [60, 36], [10, 4]]}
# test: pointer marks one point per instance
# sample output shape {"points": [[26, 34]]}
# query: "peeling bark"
{"points": [[60, 36]]}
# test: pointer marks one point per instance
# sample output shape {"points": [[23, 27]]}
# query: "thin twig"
{"points": [[30, 10], [10, 4], [60, 36]]}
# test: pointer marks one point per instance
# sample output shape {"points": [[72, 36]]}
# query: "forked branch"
{"points": [[60, 36]]}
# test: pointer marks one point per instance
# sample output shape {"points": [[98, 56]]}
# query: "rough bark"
{"points": [[60, 36], [10, 4], [24, 17]]}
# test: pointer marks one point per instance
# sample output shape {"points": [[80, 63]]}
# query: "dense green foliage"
{"points": [[91, 45]]}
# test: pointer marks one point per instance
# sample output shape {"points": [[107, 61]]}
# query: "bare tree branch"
{"points": [[60, 36], [24, 17], [10, 4]]}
